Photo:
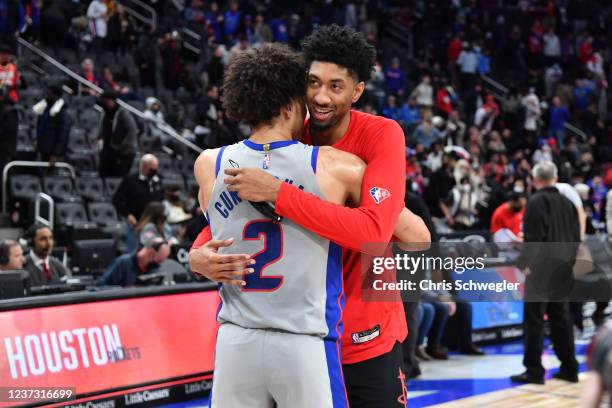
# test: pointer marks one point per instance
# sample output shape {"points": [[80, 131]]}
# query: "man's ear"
{"points": [[358, 91], [286, 111]]}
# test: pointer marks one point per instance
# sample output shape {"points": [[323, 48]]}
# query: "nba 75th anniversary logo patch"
{"points": [[379, 194]]}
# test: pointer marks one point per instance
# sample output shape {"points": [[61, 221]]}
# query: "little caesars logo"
{"points": [[146, 396]]}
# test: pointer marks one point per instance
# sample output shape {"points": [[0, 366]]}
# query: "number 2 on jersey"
{"points": [[272, 234]]}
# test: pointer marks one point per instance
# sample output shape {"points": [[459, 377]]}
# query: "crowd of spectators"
{"points": [[483, 94], [484, 91]]}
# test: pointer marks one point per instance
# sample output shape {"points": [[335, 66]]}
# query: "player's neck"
{"points": [[269, 134], [329, 137]]}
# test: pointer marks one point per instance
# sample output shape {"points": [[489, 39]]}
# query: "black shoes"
{"points": [[437, 352], [471, 350], [525, 378], [570, 377]]}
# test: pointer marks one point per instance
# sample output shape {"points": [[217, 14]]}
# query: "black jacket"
{"points": [[550, 217], [52, 130], [551, 237], [135, 193], [121, 136], [10, 124]]}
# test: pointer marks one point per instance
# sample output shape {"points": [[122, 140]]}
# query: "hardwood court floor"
{"points": [[555, 393]]}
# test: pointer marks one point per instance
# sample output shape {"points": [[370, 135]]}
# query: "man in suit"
{"points": [[43, 268]]}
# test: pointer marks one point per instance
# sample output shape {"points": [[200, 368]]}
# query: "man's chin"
{"points": [[320, 126]]}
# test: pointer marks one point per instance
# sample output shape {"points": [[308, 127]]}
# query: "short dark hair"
{"points": [[33, 230], [258, 83], [343, 46]]}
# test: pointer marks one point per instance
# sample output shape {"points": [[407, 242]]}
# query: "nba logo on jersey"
{"points": [[379, 194], [266, 162]]}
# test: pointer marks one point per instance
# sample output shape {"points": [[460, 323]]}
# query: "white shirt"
{"points": [[570, 193], [423, 94], [532, 105], [468, 61], [38, 262], [96, 13], [552, 45]]}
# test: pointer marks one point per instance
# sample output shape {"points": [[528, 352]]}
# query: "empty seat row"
{"points": [[101, 213], [24, 186]]}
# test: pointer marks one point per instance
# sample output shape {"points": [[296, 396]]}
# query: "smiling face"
{"points": [[331, 92]]}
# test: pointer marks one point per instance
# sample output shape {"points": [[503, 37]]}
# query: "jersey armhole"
{"points": [[313, 158], [218, 162]]}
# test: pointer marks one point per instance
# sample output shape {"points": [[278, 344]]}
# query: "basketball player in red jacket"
{"points": [[340, 61]]}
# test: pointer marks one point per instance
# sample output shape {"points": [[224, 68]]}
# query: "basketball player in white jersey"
{"points": [[278, 343]]}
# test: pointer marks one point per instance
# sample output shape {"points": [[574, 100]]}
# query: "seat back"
{"points": [[103, 213]]}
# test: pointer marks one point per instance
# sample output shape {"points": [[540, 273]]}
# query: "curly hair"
{"points": [[259, 82], [341, 45]]}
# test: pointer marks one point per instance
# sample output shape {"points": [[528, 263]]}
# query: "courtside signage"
{"points": [[109, 345]]}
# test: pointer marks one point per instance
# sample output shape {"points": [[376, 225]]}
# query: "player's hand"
{"points": [[452, 308], [253, 184], [225, 268]]}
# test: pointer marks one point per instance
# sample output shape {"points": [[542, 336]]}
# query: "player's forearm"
{"points": [[412, 232], [351, 228]]}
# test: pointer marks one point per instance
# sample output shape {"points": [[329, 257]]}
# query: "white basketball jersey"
{"points": [[297, 283]]}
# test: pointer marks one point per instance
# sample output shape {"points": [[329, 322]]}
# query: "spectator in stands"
{"points": [[410, 115], [170, 49], [486, 114], [126, 269], [395, 78], [261, 31], [11, 256], [439, 311], [54, 24], [423, 94], [177, 210], [444, 100], [10, 126], [468, 65], [440, 185], [121, 35], [145, 60], [98, 14], [118, 132], [391, 110], [124, 92], [232, 21], [531, 103], [153, 223], [559, 115], [464, 197], [12, 17], [53, 125], [426, 133], [509, 217], [135, 192], [88, 72], [44, 269], [9, 73], [153, 110], [242, 45], [552, 47]]}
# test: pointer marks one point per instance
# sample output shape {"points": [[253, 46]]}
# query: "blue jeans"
{"points": [[131, 239], [440, 317], [425, 317]]}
